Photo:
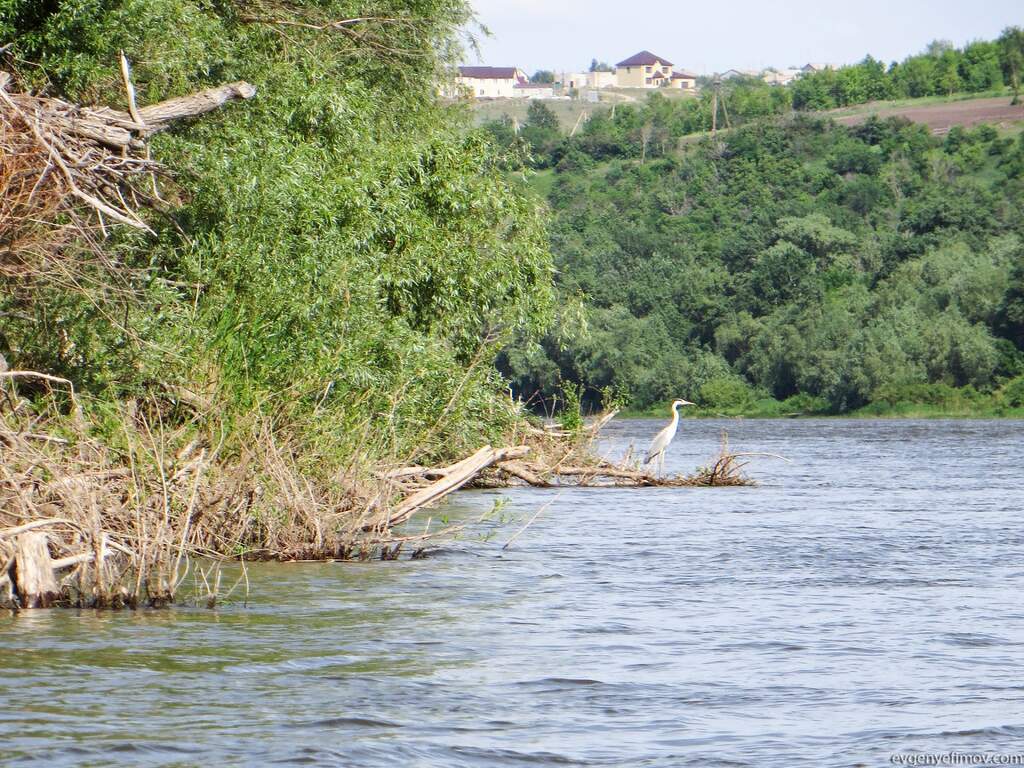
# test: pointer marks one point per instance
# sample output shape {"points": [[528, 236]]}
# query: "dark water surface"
{"points": [[866, 600]]}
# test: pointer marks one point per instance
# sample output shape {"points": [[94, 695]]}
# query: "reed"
{"points": [[122, 520]]}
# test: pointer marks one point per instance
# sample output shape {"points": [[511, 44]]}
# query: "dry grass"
{"points": [[62, 182], [127, 516]]}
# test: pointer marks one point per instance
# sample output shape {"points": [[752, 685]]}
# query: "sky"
{"points": [[707, 37]]}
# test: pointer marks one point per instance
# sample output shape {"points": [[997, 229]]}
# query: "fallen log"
{"points": [[119, 130], [454, 478], [159, 116], [524, 472]]}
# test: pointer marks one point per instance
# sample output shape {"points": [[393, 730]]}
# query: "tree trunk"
{"points": [[33, 571]]}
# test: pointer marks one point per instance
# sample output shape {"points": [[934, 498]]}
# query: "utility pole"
{"points": [[716, 96], [715, 85], [725, 113]]}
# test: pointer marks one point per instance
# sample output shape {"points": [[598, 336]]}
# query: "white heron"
{"points": [[660, 443]]}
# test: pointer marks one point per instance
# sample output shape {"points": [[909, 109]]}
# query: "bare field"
{"points": [[939, 117]]}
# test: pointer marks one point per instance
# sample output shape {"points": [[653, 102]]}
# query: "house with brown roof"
{"points": [[491, 82], [646, 70]]}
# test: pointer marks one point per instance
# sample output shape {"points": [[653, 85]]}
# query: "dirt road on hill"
{"points": [[940, 117]]}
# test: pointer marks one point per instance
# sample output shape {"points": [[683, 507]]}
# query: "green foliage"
{"points": [[571, 413], [1012, 393], [941, 70], [346, 253], [839, 266], [725, 393], [1011, 48]]}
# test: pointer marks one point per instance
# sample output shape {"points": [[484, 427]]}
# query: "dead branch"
{"points": [[455, 477], [64, 161]]}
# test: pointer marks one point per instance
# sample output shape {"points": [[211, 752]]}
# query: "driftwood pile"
{"points": [[67, 171], [552, 458]]}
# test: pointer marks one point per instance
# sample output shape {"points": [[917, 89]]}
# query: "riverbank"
{"points": [[806, 407], [98, 523]]}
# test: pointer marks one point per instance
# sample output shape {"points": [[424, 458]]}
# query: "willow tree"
{"points": [[340, 256]]}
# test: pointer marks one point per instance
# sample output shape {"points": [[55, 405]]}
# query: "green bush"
{"points": [[725, 393], [1012, 393], [345, 255]]}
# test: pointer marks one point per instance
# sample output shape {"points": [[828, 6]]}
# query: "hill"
{"points": [[787, 265]]}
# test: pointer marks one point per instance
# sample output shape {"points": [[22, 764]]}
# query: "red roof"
{"points": [[642, 59], [489, 73], [683, 76]]}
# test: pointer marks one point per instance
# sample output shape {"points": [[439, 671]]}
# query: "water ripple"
{"points": [[863, 601]]}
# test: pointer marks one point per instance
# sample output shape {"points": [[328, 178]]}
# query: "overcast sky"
{"points": [[708, 37]]}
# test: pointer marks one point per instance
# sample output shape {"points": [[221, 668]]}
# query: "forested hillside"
{"points": [[791, 260]]}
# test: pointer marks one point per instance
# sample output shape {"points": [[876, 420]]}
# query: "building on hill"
{"points": [[645, 70], [780, 76], [534, 90], [490, 82], [733, 74], [684, 80], [817, 66], [601, 79], [580, 80]]}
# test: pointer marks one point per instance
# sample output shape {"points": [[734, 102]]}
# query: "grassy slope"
{"points": [[568, 111]]}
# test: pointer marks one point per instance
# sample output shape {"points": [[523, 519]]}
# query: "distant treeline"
{"points": [[942, 70]]}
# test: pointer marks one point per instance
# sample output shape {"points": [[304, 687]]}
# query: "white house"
{"points": [[534, 90], [780, 76], [580, 80], [601, 80], [491, 82]]}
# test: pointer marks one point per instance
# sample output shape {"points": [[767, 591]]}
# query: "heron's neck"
{"points": [[675, 415]]}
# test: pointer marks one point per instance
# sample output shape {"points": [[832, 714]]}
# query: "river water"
{"points": [[863, 602]]}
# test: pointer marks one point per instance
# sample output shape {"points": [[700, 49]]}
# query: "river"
{"points": [[863, 602]]}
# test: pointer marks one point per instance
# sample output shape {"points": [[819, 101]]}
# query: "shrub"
{"points": [[1012, 393]]}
